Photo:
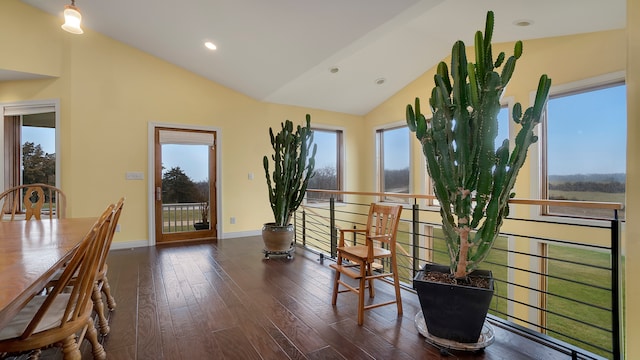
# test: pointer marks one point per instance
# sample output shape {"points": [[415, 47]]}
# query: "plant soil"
{"points": [[473, 281]]}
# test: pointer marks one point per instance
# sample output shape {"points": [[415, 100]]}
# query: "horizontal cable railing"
{"points": [[555, 282]]}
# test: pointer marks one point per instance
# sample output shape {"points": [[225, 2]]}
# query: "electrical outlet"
{"points": [[232, 220], [118, 228]]}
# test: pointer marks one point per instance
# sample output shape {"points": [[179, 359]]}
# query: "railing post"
{"points": [[304, 228], [295, 228], [332, 226], [615, 287], [415, 221]]}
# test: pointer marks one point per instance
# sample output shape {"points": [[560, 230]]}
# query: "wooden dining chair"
{"points": [[57, 317], [363, 262], [102, 282], [28, 201]]}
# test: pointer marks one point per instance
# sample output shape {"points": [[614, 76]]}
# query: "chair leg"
{"points": [[98, 307], [372, 291], [70, 349], [363, 281], [92, 336], [106, 289], [334, 297], [396, 284]]}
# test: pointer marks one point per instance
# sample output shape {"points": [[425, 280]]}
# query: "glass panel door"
{"points": [[185, 179]]}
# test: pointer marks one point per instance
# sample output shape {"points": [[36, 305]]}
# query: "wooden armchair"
{"points": [[382, 226], [32, 200], [57, 317]]}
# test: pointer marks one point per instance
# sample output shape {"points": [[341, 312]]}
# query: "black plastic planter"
{"points": [[453, 312]]}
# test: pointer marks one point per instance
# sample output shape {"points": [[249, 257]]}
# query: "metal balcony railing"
{"points": [[180, 217], [557, 282]]}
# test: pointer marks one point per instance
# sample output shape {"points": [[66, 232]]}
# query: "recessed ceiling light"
{"points": [[523, 22], [334, 69], [209, 45], [380, 81]]}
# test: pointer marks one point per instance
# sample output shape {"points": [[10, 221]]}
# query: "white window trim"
{"points": [[535, 151], [33, 107], [376, 159], [342, 160]]}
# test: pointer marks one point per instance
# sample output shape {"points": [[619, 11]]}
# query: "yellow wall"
{"points": [[108, 94], [39, 50]]}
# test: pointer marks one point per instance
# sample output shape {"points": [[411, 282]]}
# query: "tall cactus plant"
{"points": [[472, 180], [294, 161]]}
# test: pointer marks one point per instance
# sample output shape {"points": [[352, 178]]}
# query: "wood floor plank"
{"points": [[326, 353], [259, 338], [223, 300], [149, 337], [234, 344]]}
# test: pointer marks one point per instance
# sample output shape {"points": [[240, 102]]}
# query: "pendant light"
{"points": [[72, 18]]}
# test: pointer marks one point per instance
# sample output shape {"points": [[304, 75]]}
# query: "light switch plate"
{"points": [[134, 175]]}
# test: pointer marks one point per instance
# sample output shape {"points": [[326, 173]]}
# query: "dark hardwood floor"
{"points": [[223, 300]]}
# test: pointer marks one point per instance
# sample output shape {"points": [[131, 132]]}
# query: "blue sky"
{"points": [[587, 132], [192, 159], [46, 137]]}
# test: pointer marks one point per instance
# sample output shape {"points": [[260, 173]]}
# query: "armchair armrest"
{"points": [[342, 231], [378, 237]]}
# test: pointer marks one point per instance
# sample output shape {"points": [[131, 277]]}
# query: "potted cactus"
{"points": [[472, 180], [293, 163]]}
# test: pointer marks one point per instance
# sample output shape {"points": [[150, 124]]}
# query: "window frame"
{"points": [[340, 161], [378, 166], [537, 151], [26, 108]]}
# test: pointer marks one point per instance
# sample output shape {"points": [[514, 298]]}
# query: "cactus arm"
{"points": [[479, 50], [458, 142]]}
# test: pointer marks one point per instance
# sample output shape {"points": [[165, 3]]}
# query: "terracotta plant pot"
{"points": [[277, 238]]}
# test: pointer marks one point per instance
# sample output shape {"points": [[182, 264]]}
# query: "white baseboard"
{"points": [[128, 244], [144, 243], [239, 234]]}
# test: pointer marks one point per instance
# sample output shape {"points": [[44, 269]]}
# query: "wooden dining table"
{"points": [[30, 253]]}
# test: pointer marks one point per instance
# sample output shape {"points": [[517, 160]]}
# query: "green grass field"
{"points": [[586, 196], [559, 309], [577, 292]]}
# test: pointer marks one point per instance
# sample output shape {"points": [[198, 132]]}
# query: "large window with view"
{"points": [[393, 161], [584, 149], [328, 169], [29, 138]]}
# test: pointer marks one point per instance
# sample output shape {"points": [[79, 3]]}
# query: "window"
{"points": [[29, 145], [393, 161], [503, 126], [584, 148], [328, 170]]}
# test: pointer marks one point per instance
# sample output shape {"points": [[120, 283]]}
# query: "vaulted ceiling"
{"points": [[339, 55]]}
